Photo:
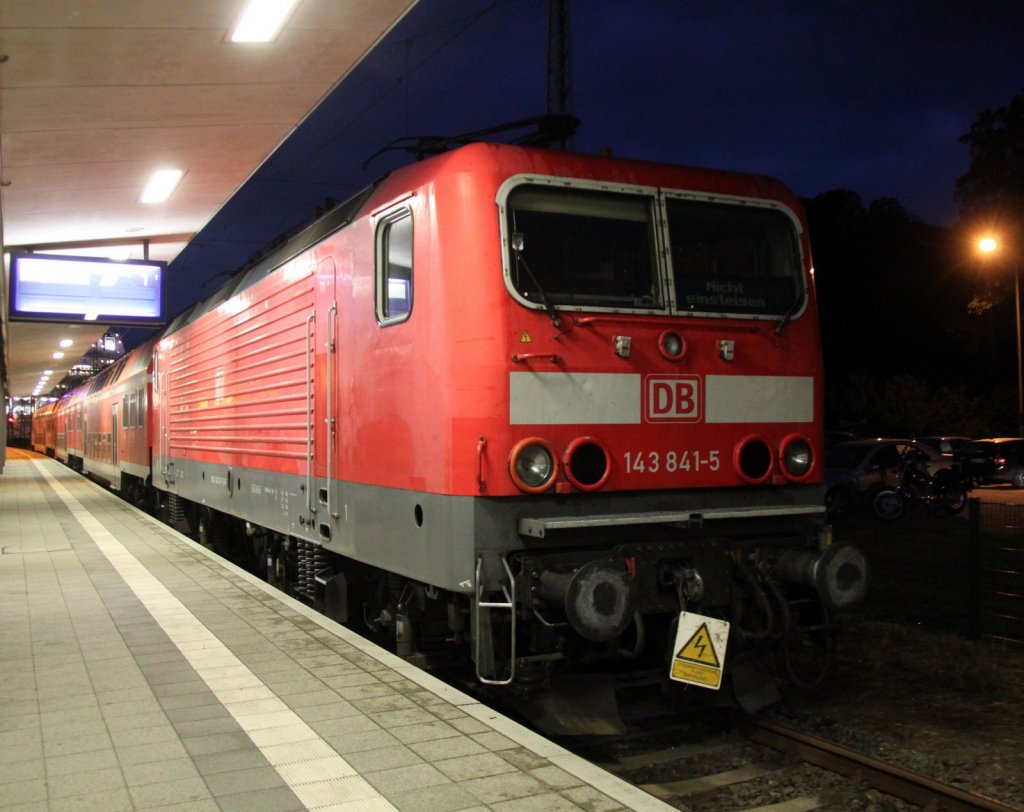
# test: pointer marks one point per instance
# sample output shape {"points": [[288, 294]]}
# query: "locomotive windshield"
{"points": [[581, 248], [733, 259]]}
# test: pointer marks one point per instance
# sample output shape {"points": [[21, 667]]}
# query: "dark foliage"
{"points": [[903, 355], [919, 332], [992, 189]]}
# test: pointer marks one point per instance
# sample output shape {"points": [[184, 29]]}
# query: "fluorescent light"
{"points": [[57, 356], [160, 185], [66, 342], [260, 20]]}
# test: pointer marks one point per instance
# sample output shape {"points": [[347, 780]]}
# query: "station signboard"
{"points": [[58, 288]]}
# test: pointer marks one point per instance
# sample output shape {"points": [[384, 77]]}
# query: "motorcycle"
{"points": [[946, 490]]}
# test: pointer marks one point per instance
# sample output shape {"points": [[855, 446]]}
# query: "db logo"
{"points": [[674, 398]]}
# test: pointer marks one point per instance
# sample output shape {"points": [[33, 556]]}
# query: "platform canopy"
{"points": [[97, 95]]}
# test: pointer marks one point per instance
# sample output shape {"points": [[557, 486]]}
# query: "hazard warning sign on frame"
{"points": [[700, 650]]}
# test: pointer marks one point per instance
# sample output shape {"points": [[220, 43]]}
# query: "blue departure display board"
{"points": [[57, 288]]}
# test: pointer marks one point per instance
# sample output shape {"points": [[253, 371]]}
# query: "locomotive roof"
{"points": [[338, 217], [517, 160]]}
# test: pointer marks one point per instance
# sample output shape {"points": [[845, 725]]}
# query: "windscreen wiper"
{"points": [[787, 317], [517, 248]]}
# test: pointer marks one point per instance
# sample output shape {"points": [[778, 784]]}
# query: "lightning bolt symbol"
{"points": [[700, 645]]}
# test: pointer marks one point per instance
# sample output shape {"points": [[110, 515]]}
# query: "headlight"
{"points": [[797, 457], [532, 465]]}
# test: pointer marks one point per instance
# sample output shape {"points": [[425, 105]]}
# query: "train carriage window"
{"points": [[583, 248], [394, 268], [133, 404], [735, 259], [125, 413]]}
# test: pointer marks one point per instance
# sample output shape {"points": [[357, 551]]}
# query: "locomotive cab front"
{"points": [[662, 452]]}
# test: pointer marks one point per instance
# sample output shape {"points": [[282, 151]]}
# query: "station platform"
{"points": [[141, 672]]}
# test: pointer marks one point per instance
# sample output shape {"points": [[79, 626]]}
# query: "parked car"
{"points": [[835, 437], [946, 445], [998, 459], [856, 470]]}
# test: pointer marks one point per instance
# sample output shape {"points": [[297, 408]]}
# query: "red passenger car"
{"points": [[103, 428], [44, 429]]}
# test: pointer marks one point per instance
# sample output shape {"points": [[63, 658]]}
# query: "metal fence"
{"points": [[995, 571]]}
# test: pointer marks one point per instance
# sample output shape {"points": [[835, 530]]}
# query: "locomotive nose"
{"points": [[597, 598], [838, 574]]}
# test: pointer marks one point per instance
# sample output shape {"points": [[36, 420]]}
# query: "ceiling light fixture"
{"points": [[261, 20], [160, 185]]}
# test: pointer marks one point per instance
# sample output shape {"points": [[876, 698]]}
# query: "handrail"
{"points": [[310, 366], [509, 604], [332, 318], [524, 357]]}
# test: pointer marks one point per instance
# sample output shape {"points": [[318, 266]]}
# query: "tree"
{"points": [[883, 284], [898, 341], [992, 189], [991, 198]]}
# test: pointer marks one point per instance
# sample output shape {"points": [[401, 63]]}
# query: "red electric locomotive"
{"points": [[548, 408]]}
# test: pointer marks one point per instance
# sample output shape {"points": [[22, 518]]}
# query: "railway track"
{"points": [[767, 767], [897, 781]]}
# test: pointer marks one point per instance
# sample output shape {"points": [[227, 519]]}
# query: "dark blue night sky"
{"points": [[867, 96]]}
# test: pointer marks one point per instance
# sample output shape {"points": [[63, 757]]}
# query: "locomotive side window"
{"points": [[394, 268], [729, 258], [582, 248]]}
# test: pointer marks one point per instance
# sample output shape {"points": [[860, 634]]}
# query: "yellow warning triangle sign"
{"points": [[525, 338], [698, 648]]}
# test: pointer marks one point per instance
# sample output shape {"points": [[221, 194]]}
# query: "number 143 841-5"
{"points": [[654, 462]]}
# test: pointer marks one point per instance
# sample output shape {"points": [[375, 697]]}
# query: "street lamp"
{"points": [[989, 245]]}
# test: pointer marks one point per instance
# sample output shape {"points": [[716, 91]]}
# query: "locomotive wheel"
{"points": [[810, 649], [203, 530], [212, 533]]}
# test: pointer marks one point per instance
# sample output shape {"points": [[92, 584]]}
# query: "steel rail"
{"points": [[900, 782]]}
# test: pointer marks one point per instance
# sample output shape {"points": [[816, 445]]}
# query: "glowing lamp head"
{"points": [[987, 245]]}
